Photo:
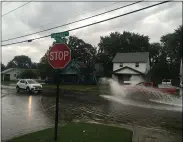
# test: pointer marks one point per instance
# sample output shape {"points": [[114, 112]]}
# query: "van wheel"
{"points": [[18, 89]]}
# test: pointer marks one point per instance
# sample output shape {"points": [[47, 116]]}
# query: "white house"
{"points": [[131, 68], [10, 74]]}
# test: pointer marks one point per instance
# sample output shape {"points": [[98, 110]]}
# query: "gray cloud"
{"points": [[153, 22]]}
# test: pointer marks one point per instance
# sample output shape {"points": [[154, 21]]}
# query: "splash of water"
{"points": [[129, 93]]}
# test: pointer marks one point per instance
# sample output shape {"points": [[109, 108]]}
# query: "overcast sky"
{"points": [[37, 16]]}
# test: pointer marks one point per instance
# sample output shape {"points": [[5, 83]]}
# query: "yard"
{"points": [[92, 89], [79, 132]]}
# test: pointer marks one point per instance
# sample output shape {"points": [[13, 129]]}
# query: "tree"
{"points": [[21, 61], [45, 70], [34, 65], [155, 50], [28, 74], [172, 46], [81, 51], [2, 67]]}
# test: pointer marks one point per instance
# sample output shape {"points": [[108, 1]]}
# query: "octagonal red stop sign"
{"points": [[59, 55]]}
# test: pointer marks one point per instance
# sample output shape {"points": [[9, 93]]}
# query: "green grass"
{"points": [[8, 82], [81, 88], [79, 132]]}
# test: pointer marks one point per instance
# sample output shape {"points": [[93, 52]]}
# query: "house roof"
{"points": [[82, 64], [127, 68], [7, 70], [17, 69], [131, 57]]}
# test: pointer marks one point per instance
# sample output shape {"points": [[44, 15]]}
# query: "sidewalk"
{"points": [[154, 135]]}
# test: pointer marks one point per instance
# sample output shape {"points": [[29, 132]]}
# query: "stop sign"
{"points": [[59, 55]]}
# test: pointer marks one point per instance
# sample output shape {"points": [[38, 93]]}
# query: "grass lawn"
{"points": [[81, 88], [79, 132], [8, 82], [99, 90]]}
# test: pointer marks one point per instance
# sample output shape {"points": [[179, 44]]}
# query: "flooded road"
{"points": [[21, 113]]}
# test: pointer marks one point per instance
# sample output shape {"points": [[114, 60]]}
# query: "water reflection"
{"points": [[30, 107]]}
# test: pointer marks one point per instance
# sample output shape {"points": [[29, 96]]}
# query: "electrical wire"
{"points": [[16, 8], [73, 21], [79, 14], [30, 40]]}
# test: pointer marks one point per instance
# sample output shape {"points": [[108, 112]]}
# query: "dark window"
{"points": [[15, 75], [121, 65], [136, 64], [21, 81]]}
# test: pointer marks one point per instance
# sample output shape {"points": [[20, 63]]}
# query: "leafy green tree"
{"points": [[2, 67], [45, 70], [172, 46], [28, 74], [21, 61], [155, 50], [81, 51]]}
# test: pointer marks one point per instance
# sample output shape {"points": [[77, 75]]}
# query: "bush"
{"points": [[28, 74]]}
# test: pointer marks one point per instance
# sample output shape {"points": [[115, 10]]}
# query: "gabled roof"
{"points": [[7, 70], [18, 69], [131, 57], [127, 68]]}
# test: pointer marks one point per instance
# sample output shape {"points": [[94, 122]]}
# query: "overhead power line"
{"points": [[16, 8], [29, 40], [73, 21], [79, 14]]}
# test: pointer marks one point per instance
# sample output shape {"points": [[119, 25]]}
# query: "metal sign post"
{"points": [[59, 56]]}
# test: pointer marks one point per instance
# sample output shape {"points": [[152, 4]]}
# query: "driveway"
{"points": [[21, 113]]}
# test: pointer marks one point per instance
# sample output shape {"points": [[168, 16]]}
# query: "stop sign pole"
{"points": [[58, 57]]}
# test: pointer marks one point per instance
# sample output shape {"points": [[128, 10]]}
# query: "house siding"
{"points": [[126, 71], [135, 79], [12, 74], [142, 66]]}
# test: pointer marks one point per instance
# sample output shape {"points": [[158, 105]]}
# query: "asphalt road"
{"points": [[21, 113]]}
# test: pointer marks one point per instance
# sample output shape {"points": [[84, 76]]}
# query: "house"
{"points": [[10, 74], [77, 73], [131, 68], [13, 73]]}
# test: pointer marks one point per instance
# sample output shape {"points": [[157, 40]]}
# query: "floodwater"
{"points": [[142, 97], [21, 114]]}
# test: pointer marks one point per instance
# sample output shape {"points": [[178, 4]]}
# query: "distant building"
{"points": [[10, 74], [131, 68], [77, 73]]}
